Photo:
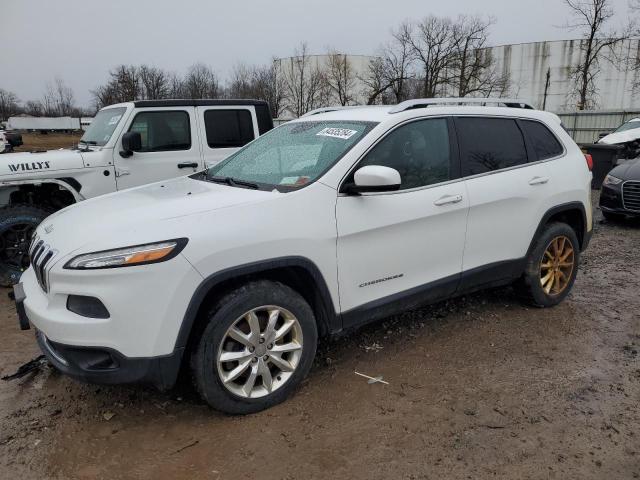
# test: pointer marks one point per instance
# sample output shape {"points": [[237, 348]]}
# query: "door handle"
{"points": [[538, 180], [448, 199], [188, 165]]}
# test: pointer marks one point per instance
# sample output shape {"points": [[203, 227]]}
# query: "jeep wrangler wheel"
{"points": [[257, 347], [552, 266], [17, 224]]}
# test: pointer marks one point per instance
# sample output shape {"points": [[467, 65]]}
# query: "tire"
{"points": [[17, 224], [536, 287], [234, 310], [612, 217]]}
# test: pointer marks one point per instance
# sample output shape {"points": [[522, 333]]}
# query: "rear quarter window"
{"points": [[544, 143]]}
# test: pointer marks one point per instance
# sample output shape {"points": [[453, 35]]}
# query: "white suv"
{"points": [[326, 223]]}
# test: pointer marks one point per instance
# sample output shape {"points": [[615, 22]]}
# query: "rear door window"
{"points": [[489, 144], [228, 128], [544, 143]]}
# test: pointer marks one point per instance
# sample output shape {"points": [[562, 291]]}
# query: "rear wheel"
{"points": [[257, 347], [551, 267], [17, 225]]}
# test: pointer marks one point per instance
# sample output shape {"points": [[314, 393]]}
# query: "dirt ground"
{"points": [[479, 387], [50, 141]]}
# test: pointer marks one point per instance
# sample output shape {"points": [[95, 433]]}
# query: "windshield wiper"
{"points": [[232, 182]]}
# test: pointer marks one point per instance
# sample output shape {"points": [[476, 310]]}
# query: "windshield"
{"points": [[102, 126], [630, 125], [293, 154]]}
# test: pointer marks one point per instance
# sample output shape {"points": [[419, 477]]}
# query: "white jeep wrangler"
{"points": [[325, 223], [127, 145]]}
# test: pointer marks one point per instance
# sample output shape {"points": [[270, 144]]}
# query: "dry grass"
{"points": [[49, 141]]}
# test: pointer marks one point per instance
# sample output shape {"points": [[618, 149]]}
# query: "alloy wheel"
{"points": [[260, 351], [556, 266]]}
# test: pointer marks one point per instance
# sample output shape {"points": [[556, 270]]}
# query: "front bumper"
{"points": [[611, 201], [108, 367], [102, 365]]}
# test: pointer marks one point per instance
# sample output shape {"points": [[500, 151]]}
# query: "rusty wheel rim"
{"points": [[556, 266]]}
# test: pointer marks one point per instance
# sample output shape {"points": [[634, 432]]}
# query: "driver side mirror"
{"points": [[131, 142], [374, 178], [603, 134]]}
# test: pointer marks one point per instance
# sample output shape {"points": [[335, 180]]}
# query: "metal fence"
{"points": [[585, 126]]}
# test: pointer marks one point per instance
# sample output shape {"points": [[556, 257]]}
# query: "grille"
{"points": [[631, 195], [40, 255]]}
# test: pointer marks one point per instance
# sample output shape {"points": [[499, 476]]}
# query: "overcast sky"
{"points": [[80, 40]]}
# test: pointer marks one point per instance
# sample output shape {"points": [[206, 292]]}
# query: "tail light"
{"points": [[589, 160]]}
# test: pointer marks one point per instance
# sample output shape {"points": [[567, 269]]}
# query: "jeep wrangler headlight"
{"points": [[611, 180], [128, 256]]}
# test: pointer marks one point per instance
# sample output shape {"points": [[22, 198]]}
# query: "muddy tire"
{"points": [[258, 345], [552, 266], [17, 224]]}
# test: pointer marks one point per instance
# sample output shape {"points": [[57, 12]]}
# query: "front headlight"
{"points": [[128, 256], [611, 180]]}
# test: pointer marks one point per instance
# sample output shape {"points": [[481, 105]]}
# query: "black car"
{"points": [[620, 193]]}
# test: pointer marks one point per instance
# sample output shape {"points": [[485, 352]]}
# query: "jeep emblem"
{"points": [[48, 228]]}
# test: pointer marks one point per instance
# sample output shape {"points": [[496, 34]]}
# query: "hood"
{"points": [[28, 163], [621, 137], [154, 212], [627, 171]]}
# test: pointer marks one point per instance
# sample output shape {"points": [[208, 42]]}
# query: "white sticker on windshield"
{"points": [[343, 133], [113, 120]]}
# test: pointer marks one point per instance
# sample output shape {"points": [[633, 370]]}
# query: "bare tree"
{"points": [[8, 104], [124, 85], [591, 18], [474, 71], [154, 82], [433, 43], [388, 74], [201, 82], [33, 108], [305, 84], [269, 86], [340, 77], [58, 99], [376, 83]]}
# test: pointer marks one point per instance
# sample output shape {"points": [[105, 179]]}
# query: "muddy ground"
{"points": [[479, 387], [48, 141]]}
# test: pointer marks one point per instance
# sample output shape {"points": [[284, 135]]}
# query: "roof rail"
{"points": [[330, 109], [426, 102]]}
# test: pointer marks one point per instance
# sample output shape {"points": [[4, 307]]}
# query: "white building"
{"points": [[529, 63]]}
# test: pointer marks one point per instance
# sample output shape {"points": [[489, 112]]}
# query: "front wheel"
{"points": [[17, 224], [257, 347], [552, 266]]}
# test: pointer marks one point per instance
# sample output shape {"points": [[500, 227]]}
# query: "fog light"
{"points": [[89, 307]]}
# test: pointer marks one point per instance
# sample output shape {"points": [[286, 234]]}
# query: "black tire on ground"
{"points": [[529, 286], [612, 217], [17, 224], [220, 318]]}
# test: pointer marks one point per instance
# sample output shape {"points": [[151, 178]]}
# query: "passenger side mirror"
{"points": [[374, 178], [131, 142], [603, 134]]}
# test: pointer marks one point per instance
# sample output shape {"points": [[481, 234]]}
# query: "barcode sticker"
{"points": [[343, 133]]}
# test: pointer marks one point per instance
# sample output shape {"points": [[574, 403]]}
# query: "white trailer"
{"points": [[43, 123]]}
